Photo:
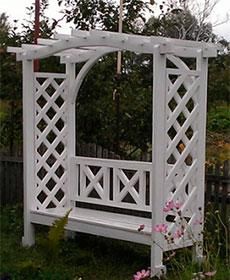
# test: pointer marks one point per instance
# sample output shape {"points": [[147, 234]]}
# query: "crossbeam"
{"points": [[98, 39]]}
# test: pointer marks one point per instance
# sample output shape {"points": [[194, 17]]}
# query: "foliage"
{"points": [[213, 248], [88, 257], [178, 20], [124, 124], [219, 81], [219, 119], [96, 108], [216, 245], [55, 235], [103, 14], [217, 140], [11, 76]]}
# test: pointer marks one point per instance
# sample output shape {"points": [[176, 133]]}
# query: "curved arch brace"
{"points": [[82, 74], [177, 62], [183, 67]]}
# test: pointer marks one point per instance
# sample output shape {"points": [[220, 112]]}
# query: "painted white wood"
{"points": [[45, 42], [71, 134], [50, 75], [51, 185], [111, 185], [123, 227], [136, 43], [202, 65], [14, 50], [80, 77], [172, 71], [158, 156], [28, 151], [50, 191], [129, 164]]}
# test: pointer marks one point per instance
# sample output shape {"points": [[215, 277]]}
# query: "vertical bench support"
{"points": [[28, 150], [158, 157]]}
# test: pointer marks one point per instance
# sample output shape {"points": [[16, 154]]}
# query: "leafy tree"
{"points": [[96, 109], [11, 75], [103, 14], [176, 20], [10, 89], [218, 80], [99, 118]]}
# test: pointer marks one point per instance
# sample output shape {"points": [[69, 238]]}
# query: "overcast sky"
{"points": [[16, 9]]}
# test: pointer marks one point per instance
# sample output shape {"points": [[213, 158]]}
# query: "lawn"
{"points": [[86, 257]]}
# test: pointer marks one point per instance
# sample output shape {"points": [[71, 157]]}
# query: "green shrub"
{"points": [[219, 119]]}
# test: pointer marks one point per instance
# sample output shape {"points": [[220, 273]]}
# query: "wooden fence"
{"points": [[217, 181], [11, 172], [11, 179]]}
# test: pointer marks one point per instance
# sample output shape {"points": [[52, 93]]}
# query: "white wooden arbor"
{"points": [[55, 180]]}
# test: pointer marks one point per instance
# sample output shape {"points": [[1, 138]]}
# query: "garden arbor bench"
{"points": [[55, 179]]}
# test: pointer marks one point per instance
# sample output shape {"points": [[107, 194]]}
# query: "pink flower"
{"points": [[160, 228], [178, 233], [141, 227], [143, 274], [171, 205], [210, 273]]}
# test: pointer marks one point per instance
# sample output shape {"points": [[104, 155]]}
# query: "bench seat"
{"points": [[97, 222]]}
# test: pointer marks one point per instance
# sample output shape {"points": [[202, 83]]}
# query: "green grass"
{"points": [[88, 257]]}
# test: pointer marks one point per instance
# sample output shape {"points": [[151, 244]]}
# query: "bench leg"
{"points": [[29, 233], [157, 267]]}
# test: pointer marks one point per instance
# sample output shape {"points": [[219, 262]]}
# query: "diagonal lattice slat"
{"points": [[181, 124], [50, 140], [128, 186]]}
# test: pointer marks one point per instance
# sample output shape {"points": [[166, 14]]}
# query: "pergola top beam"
{"points": [[81, 42]]}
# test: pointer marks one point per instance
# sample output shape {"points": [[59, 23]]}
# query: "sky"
{"points": [[16, 9]]}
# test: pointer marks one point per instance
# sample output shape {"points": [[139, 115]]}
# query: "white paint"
{"points": [[55, 179]]}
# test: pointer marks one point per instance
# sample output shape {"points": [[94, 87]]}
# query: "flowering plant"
{"points": [[143, 274], [183, 226]]}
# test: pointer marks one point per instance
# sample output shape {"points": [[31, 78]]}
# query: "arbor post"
{"points": [[28, 150]]}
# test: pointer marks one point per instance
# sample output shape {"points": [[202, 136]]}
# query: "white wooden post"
{"points": [[158, 157], [202, 65], [71, 137], [71, 142], [28, 150]]}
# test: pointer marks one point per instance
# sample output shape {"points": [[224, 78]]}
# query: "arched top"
{"points": [[83, 45]]}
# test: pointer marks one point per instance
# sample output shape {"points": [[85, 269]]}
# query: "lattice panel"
{"points": [[111, 185], [182, 108], [50, 140], [130, 186], [94, 182]]}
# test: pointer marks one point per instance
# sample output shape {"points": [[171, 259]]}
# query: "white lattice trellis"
{"points": [[55, 179], [183, 108], [50, 140]]}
